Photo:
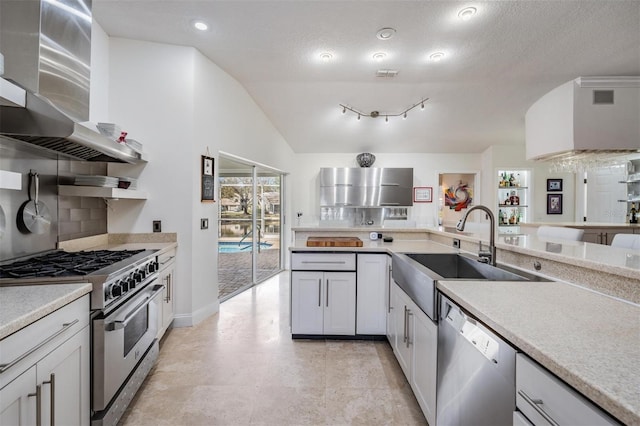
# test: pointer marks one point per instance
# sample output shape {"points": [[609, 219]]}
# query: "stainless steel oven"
{"points": [[121, 338]]}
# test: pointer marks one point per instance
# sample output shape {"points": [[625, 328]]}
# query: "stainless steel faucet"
{"points": [[485, 256]]}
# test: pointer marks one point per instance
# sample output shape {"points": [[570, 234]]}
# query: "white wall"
{"points": [[99, 85], [178, 104], [426, 168]]}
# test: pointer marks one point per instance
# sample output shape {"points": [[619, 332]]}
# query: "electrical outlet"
{"points": [[456, 243], [157, 226], [204, 223]]}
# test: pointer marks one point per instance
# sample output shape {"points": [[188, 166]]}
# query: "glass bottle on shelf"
{"points": [[514, 200], [633, 214]]}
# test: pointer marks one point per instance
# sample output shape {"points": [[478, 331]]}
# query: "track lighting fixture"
{"points": [[375, 114]]}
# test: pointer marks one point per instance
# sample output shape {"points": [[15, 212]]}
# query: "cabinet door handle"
{"points": [[389, 292], [52, 398], [65, 326], [327, 300], [319, 292], [169, 282], [408, 330], [536, 403], [404, 327], [38, 395]]}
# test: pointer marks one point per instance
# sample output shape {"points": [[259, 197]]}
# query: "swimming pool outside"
{"points": [[235, 247]]}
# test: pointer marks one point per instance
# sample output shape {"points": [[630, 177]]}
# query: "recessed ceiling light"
{"points": [[200, 25], [466, 13], [436, 57], [385, 33], [379, 56], [326, 56]]}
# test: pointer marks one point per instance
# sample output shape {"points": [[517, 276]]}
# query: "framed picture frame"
{"points": [[554, 203], [554, 185], [207, 182], [423, 194]]}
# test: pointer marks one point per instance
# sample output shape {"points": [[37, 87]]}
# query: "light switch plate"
{"points": [[157, 226], [204, 223], [456, 243]]}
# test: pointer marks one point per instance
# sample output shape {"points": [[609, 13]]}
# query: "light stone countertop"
{"points": [[590, 341], [378, 246], [25, 304], [150, 241]]}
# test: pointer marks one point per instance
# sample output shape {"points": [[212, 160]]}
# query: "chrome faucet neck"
{"points": [[485, 256]]}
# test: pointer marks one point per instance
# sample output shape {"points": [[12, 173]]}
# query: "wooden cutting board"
{"points": [[334, 242]]}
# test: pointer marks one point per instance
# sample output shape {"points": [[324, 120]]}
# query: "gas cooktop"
{"points": [[64, 264]]}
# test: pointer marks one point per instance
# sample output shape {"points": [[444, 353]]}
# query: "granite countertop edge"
{"points": [[65, 294]]}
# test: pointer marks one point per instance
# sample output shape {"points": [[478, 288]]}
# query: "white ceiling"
{"points": [[496, 65]]}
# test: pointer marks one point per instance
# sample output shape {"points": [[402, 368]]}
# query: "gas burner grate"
{"points": [[62, 264]]}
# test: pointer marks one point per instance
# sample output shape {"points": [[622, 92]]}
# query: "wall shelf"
{"points": [[101, 192]]}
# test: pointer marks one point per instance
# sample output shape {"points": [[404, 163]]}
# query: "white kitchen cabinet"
{"points": [[401, 312], [18, 400], [415, 344], [166, 277], [424, 341], [323, 303], [543, 398], [372, 288], [64, 375], [46, 370]]}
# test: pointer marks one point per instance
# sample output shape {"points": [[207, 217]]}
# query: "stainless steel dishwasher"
{"points": [[476, 372]]}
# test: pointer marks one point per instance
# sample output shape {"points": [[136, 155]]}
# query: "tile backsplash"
{"points": [[80, 216]]}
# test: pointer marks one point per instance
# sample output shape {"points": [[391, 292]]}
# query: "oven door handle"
{"points": [[117, 325]]}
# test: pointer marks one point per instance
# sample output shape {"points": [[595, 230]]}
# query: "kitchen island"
{"points": [[586, 338]]}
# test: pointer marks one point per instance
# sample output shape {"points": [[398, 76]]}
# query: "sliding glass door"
{"points": [[249, 237]]}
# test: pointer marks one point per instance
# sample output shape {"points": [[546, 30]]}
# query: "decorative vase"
{"points": [[366, 159]]}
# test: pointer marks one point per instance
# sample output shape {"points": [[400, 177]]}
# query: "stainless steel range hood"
{"points": [[47, 50]]}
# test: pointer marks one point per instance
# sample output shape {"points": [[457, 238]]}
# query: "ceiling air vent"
{"points": [[386, 73], [603, 97]]}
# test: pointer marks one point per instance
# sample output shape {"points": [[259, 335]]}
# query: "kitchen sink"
{"points": [[456, 266], [418, 273]]}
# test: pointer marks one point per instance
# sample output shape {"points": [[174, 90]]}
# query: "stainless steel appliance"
{"points": [[124, 305], [47, 49], [476, 371]]}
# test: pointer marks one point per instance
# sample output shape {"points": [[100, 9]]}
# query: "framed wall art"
{"points": [[554, 203], [207, 182], [423, 194], [554, 185]]}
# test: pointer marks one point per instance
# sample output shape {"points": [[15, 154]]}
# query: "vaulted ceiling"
{"points": [[495, 64]]}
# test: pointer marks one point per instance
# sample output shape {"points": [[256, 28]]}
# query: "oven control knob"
{"points": [[152, 267], [137, 276], [116, 290], [124, 285], [131, 283], [143, 273]]}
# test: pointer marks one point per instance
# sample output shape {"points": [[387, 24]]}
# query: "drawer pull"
{"points": [[38, 395], [325, 262], [535, 403], [5, 367]]}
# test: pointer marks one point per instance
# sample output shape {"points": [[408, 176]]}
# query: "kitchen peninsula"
{"points": [[560, 324]]}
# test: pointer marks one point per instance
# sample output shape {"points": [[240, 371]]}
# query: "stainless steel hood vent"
{"points": [[47, 50], [43, 125]]}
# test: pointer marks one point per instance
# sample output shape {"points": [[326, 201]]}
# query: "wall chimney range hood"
{"points": [[47, 50], [585, 117]]}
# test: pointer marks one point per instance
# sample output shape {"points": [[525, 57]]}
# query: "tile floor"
{"points": [[241, 367]]}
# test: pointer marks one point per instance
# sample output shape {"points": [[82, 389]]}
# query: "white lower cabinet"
{"points": [[414, 339], [372, 293], [166, 277], [46, 375], [18, 400], [323, 303], [544, 399]]}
